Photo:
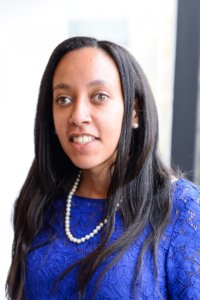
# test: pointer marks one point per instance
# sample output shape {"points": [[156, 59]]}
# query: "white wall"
{"points": [[29, 32]]}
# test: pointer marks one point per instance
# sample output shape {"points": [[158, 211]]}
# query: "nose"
{"points": [[80, 113]]}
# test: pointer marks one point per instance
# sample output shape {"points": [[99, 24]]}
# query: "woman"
{"points": [[99, 216]]}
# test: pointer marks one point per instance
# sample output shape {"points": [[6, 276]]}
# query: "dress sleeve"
{"points": [[183, 259]]}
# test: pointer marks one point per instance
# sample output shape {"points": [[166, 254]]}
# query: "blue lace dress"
{"points": [[178, 255]]}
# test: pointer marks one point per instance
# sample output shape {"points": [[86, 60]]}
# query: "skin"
{"points": [[88, 101]]}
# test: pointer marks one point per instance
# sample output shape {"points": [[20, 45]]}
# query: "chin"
{"points": [[84, 165]]}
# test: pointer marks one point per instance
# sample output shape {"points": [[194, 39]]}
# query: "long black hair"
{"points": [[139, 178]]}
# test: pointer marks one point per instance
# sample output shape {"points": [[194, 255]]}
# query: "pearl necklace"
{"points": [[67, 217]]}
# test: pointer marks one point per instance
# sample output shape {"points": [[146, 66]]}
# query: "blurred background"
{"points": [[162, 35]]}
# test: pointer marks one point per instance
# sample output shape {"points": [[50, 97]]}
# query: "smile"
{"points": [[83, 139]]}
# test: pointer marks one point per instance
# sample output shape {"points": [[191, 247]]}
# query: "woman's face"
{"points": [[88, 107]]}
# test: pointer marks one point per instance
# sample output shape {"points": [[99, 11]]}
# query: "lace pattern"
{"points": [[178, 256]]}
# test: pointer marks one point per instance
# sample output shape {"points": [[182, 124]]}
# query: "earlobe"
{"points": [[135, 116], [135, 125]]}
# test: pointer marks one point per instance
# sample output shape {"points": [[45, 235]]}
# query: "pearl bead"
{"points": [[67, 217]]}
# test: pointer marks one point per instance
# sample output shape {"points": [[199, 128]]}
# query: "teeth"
{"points": [[83, 139]]}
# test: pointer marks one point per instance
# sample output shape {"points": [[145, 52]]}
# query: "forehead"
{"points": [[86, 62]]}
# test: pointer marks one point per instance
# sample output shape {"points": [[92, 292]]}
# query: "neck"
{"points": [[94, 185]]}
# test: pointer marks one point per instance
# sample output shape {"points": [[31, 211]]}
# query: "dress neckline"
{"points": [[88, 199]]}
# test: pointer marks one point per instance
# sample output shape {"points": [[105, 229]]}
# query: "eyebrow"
{"points": [[62, 86], [66, 86]]}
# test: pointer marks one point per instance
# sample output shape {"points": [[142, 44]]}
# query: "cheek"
{"points": [[112, 127], [55, 120], [59, 122], [57, 125], [116, 118], [59, 130]]}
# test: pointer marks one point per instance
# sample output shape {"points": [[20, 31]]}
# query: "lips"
{"points": [[82, 139]]}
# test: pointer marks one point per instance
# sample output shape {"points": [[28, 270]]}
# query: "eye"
{"points": [[100, 97], [64, 100]]}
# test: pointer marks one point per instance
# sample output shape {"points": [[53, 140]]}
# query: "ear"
{"points": [[135, 116]]}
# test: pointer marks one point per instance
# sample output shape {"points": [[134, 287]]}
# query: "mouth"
{"points": [[82, 139]]}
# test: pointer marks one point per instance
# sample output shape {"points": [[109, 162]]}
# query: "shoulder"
{"points": [[185, 196], [186, 190], [185, 218], [183, 187], [186, 202], [183, 258]]}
